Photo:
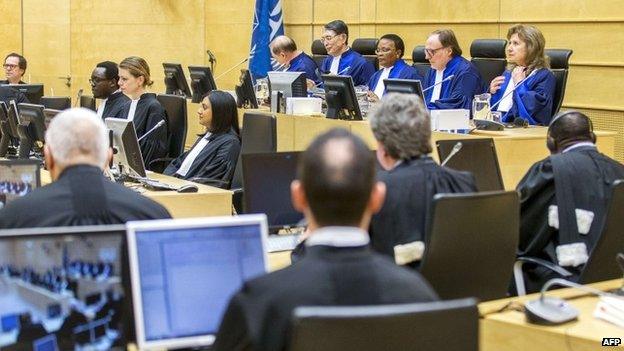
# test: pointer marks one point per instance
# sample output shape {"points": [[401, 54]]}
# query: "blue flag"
{"points": [[268, 23]]}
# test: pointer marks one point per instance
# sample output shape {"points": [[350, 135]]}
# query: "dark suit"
{"points": [[115, 104], [81, 196], [7, 94], [258, 316]]}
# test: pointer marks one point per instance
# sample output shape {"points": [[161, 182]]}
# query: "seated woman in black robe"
{"points": [[143, 108], [214, 155]]}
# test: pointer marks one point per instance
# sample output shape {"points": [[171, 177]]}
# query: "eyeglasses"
{"points": [[96, 80], [432, 52], [9, 66], [328, 37], [383, 51]]}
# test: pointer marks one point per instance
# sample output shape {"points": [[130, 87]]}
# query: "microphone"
{"points": [[344, 70], [231, 68], [458, 146], [440, 82], [78, 98], [212, 59], [158, 125], [510, 92]]}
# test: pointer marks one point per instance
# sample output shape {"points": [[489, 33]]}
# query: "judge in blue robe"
{"points": [[284, 50], [533, 98], [443, 52], [342, 60], [390, 49]]}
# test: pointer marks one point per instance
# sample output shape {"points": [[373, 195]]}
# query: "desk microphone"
{"points": [[458, 146], [440, 82], [158, 125], [231, 68], [212, 59], [79, 97]]}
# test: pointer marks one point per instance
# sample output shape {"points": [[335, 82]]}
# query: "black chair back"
{"points": [[559, 66], [446, 325], [488, 55], [56, 102], [258, 135], [421, 64], [366, 47], [471, 244], [175, 106], [87, 101], [319, 53], [601, 264]]}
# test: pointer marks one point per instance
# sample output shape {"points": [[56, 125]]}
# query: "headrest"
{"points": [[365, 46], [559, 58], [488, 48], [418, 55], [318, 48]]}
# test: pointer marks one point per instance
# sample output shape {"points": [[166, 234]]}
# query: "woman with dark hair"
{"points": [[214, 154], [533, 99]]}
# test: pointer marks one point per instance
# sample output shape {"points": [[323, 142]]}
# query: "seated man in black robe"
{"points": [[76, 152], [402, 128], [337, 192], [564, 198], [104, 83]]}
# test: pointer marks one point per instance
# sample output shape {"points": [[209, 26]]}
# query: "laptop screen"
{"points": [[17, 178], [184, 273]]}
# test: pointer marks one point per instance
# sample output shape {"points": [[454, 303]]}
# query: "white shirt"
{"points": [[507, 102], [192, 155], [338, 237], [380, 88], [334, 65], [437, 89], [133, 105]]}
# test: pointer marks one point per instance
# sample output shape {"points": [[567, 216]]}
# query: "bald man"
{"points": [[76, 152], [284, 51]]}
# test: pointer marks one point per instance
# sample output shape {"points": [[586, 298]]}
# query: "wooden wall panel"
{"points": [[429, 11], [11, 28], [555, 10], [595, 86]]}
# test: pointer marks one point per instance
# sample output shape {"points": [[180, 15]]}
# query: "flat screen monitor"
{"points": [[33, 282], [126, 145], [202, 82], [49, 114], [266, 180], [405, 86], [340, 96], [245, 93], [477, 156], [291, 84], [175, 81], [33, 92], [32, 120], [18, 178], [184, 273]]}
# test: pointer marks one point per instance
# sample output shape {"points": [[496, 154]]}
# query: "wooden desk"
{"points": [[509, 330], [207, 201]]}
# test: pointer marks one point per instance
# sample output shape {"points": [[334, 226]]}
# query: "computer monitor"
{"points": [[405, 86], [266, 180], [127, 152], [49, 114], [291, 84], [6, 135], [245, 93], [184, 273], [175, 81], [31, 128], [477, 156], [18, 178], [9, 322], [33, 92], [202, 82], [47, 343], [340, 96], [43, 251]]}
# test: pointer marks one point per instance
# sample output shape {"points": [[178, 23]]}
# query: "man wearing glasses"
{"points": [[104, 85], [14, 69], [444, 54], [390, 49], [342, 60]]}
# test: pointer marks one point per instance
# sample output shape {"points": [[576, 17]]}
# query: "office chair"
{"points": [[559, 66], [471, 244], [319, 53], [56, 102], [601, 264], [488, 55], [366, 47], [419, 61], [87, 101], [175, 106], [445, 325]]}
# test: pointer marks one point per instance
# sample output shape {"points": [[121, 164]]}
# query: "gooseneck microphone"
{"points": [[440, 82], [458, 146], [158, 125], [231, 68], [79, 96], [212, 59]]}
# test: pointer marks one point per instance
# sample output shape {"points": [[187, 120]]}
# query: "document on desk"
{"points": [[611, 309]]}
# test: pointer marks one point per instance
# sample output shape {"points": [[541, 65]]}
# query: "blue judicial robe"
{"points": [[533, 100], [351, 64], [459, 91], [400, 70], [304, 63]]}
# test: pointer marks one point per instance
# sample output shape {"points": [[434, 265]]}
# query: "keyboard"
{"points": [[285, 242], [151, 184]]}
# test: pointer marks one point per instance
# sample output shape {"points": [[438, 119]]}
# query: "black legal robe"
{"points": [[410, 188], [259, 315], [583, 177], [81, 196], [216, 161], [115, 105], [147, 114]]}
